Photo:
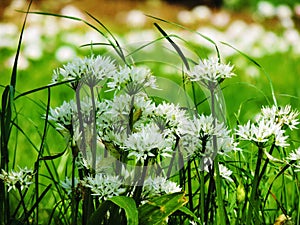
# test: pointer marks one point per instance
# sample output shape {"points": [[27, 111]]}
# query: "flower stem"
{"points": [[253, 197], [221, 210]]}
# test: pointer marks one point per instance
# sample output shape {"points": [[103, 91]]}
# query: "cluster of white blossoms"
{"points": [[17, 180], [159, 186], [210, 72], [270, 126], [89, 70], [132, 79], [202, 130], [135, 129], [295, 156], [104, 186]]}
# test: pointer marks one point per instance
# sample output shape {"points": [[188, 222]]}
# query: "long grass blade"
{"points": [[259, 66], [175, 46]]}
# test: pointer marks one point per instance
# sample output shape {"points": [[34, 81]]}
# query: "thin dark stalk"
{"points": [[190, 188], [139, 186], [254, 191], [263, 170], [23, 204], [73, 198]]}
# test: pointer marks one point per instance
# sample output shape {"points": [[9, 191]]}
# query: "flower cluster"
{"points": [[90, 70], [269, 127], [158, 186], [202, 130], [104, 186], [132, 79], [295, 156], [210, 72], [17, 180]]}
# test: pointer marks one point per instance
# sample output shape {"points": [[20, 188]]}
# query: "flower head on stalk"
{"points": [[172, 118], [269, 126], [210, 72], [15, 180], [67, 184], [132, 79], [158, 186], [225, 172], [149, 142], [89, 70], [104, 186], [295, 156], [199, 140], [284, 116], [62, 115]]}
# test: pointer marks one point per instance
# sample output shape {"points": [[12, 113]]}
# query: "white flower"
{"points": [[210, 71], [159, 186], [271, 122], [262, 132], [225, 172], [90, 70], [62, 115], [294, 155], [133, 79], [67, 184], [281, 115], [199, 139], [148, 142], [174, 118], [14, 180], [104, 186]]}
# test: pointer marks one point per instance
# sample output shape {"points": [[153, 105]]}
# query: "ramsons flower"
{"points": [[62, 115], [104, 186], [199, 140], [148, 142], [269, 126], [284, 116], [14, 180], [210, 72], [89, 70], [295, 156], [67, 184], [158, 186], [225, 172], [173, 118], [133, 79]]}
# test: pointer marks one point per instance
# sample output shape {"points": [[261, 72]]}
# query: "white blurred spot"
{"points": [[266, 9], [185, 17], [135, 18], [65, 53], [202, 12], [220, 19]]}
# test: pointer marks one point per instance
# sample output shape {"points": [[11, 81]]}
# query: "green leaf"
{"points": [[158, 209], [188, 212], [126, 203]]}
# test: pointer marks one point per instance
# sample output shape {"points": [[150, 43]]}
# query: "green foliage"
{"points": [[157, 210]]}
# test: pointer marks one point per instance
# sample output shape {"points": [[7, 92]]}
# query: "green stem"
{"points": [[94, 135], [221, 209], [255, 185], [202, 196]]}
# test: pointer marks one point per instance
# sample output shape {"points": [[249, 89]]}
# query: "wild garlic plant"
{"points": [[131, 157]]}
